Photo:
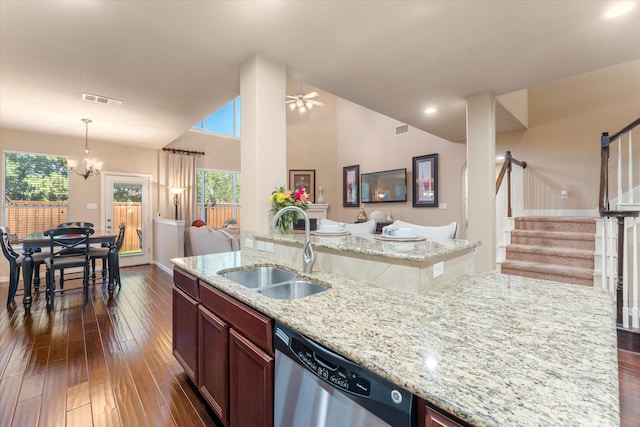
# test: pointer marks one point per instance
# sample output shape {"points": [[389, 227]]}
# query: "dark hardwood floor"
{"points": [[109, 362], [106, 363]]}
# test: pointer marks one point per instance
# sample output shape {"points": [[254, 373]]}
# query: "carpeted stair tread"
{"points": [[566, 235], [551, 223], [550, 250], [566, 274]]}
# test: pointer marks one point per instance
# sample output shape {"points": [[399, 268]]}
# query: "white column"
{"points": [[264, 147], [481, 166]]}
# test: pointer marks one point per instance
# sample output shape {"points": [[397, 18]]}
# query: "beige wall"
{"points": [[343, 134], [312, 143], [562, 144]]}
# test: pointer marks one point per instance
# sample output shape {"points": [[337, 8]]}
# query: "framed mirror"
{"points": [[385, 186]]}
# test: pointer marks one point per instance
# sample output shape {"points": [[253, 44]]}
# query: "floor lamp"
{"points": [[176, 191]]}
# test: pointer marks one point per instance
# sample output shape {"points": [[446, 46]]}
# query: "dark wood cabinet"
{"points": [[185, 332], [226, 348], [428, 416], [213, 363], [251, 383]]}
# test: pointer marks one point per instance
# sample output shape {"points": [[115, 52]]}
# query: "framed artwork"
{"points": [[350, 186], [425, 181], [303, 178]]}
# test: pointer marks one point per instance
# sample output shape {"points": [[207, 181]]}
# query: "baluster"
{"points": [[630, 140], [634, 273]]}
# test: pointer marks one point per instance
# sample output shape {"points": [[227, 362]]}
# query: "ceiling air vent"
{"points": [[402, 129], [101, 100]]}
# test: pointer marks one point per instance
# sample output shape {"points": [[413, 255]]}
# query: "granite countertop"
{"points": [[491, 349], [374, 245]]}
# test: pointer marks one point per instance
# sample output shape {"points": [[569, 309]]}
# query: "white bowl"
{"points": [[330, 228], [403, 232]]}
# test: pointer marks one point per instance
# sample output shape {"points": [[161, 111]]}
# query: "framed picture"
{"points": [[303, 178], [350, 186], [425, 181]]}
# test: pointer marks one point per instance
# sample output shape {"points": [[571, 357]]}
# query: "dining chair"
{"points": [[15, 263], [102, 253], [69, 248], [76, 224]]}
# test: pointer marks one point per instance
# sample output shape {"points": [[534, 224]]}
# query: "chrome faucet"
{"points": [[308, 257]]}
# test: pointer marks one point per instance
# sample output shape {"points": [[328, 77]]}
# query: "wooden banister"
{"points": [[506, 169]]}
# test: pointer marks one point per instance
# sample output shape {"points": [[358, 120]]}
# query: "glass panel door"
{"points": [[127, 201]]}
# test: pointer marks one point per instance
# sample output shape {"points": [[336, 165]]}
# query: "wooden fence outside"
{"points": [[129, 213], [26, 217], [216, 215]]}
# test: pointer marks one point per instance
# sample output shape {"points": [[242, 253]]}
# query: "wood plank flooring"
{"points": [[106, 363], [109, 362]]}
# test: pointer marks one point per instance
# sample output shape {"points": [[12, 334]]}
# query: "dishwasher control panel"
{"points": [[339, 376]]}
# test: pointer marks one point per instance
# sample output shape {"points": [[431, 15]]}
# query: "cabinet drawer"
{"points": [[255, 326], [186, 282]]}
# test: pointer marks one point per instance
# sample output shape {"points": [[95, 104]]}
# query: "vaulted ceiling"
{"points": [[172, 63]]}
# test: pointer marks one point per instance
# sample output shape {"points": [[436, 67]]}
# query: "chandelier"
{"points": [[89, 165]]}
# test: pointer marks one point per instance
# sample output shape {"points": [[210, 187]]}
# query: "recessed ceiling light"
{"points": [[619, 9], [430, 110]]}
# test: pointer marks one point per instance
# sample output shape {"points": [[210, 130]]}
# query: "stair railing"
{"points": [[616, 223], [506, 168]]}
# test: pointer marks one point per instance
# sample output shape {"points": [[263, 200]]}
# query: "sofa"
{"points": [[206, 240], [444, 232]]}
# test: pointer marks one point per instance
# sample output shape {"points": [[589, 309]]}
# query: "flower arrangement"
{"points": [[281, 198]]}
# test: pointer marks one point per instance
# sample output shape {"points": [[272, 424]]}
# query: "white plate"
{"points": [[414, 238], [331, 233]]}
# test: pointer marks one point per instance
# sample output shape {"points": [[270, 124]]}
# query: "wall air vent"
{"points": [[101, 100], [402, 129]]}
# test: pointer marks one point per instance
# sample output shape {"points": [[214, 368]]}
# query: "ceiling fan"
{"points": [[302, 101]]}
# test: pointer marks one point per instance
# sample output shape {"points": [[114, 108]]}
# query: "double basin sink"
{"points": [[274, 282]]}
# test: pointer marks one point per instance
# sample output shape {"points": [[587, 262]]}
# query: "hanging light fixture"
{"points": [[302, 101], [89, 165]]}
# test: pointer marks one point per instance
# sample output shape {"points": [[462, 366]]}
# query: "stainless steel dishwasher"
{"points": [[315, 387]]}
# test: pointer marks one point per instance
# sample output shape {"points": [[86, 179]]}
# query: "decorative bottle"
{"points": [[362, 216], [320, 195], [389, 217]]}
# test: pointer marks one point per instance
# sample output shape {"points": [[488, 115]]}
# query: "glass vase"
{"points": [[285, 222]]}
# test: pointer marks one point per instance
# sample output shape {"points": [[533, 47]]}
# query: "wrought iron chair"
{"points": [[15, 263], [69, 248], [102, 253]]}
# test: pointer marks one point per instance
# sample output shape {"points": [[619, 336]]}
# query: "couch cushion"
{"points": [[206, 240], [443, 232]]}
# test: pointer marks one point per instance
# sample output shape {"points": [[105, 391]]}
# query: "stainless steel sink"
{"points": [[274, 282], [260, 277], [292, 290]]}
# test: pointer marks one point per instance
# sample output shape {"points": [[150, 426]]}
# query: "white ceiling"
{"points": [[175, 62]]}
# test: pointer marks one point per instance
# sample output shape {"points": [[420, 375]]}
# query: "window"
{"points": [[225, 121], [36, 192], [218, 198]]}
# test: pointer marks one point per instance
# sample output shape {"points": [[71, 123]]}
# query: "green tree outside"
{"points": [[36, 177]]}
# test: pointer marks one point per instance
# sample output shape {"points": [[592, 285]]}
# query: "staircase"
{"points": [[552, 248]]}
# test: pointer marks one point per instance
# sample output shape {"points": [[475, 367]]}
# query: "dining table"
{"points": [[39, 241]]}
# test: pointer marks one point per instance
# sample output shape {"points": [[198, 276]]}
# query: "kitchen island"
{"points": [[412, 266], [490, 349]]}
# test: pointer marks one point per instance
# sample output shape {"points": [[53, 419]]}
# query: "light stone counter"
{"points": [[408, 266], [491, 349]]}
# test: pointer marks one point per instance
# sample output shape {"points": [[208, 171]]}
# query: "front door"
{"points": [[127, 201]]}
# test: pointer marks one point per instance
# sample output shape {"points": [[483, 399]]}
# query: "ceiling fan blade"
{"points": [[292, 96], [291, 101], [318, 103], [310, 95]]}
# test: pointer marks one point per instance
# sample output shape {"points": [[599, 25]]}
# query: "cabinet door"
{"points": [[429, 417], [185, 332], [213, 366], [251, 383]]}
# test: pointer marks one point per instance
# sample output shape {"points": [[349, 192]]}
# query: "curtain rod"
{"points": [[187, 152]]}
